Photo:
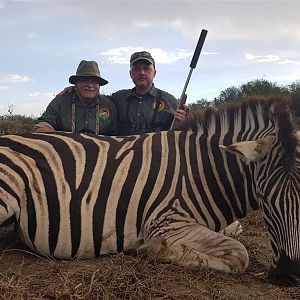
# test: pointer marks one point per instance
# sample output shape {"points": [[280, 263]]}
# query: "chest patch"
{"points": [[160, 107], [104, 113]]}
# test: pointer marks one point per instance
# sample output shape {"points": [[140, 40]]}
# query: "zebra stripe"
{"points": [[77, 195]]}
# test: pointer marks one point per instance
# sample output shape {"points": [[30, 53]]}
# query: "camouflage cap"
{"points": [[143, 55]]}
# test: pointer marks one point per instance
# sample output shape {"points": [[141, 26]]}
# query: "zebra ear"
{"points": [[250, 150]]}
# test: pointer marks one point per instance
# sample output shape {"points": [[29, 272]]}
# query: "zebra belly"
{"points": [[87, 248], [109, 242]]}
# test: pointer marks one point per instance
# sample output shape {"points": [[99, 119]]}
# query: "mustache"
{"points": [[89, 89]]}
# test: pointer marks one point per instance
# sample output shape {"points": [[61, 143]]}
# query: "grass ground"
{"points": [[24, 275]]}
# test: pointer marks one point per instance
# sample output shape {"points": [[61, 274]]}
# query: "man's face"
{"points": [[142, 74], [87, 88]]}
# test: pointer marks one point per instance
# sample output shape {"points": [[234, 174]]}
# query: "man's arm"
{"points": [[181, 112], [180, 116], [43, 127], [66, 90], [47, 122]]}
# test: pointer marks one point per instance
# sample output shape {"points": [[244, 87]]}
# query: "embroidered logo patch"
{"points": [[160, 107], [104, 113]]}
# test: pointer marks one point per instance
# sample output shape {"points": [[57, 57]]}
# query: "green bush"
{"points": [[11, 124], [258, 87]]}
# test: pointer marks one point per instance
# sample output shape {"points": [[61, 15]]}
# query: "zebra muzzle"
{"points": [[286, 273]]}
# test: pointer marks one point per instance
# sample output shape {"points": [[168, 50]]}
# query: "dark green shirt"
{"points": [[141, 113], [59, 114]]}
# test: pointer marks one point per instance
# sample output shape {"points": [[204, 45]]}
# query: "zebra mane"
{"points": [[274, 109]]}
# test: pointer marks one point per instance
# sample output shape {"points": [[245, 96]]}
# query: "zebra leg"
{"points": [[233, 230], [7, 214], [197, 246], [173, 236]]}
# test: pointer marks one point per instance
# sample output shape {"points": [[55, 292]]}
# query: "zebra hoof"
{"points": [[152, 247], [233, 230]]}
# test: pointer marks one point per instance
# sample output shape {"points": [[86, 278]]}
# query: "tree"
{"points": [[258, 87], [294, 90], [262, 87], [199, 105], [229, 95], [12, 124]]}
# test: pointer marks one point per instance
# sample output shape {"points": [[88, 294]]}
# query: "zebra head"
{"points": [[276, 172]]}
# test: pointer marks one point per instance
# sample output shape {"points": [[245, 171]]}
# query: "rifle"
{"points": [[193, 64]]}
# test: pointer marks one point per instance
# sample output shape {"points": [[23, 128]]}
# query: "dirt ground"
{"points": [[24, 275]]}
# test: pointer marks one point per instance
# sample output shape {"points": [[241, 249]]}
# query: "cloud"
{"points": [[13, 78], [50, 95], [271, 58], [108, 37], [122, 55], [30, 108], [285, 78], [34, 94], [117, 55], [32, 35], [40, 1], [46, 95], [34, 106], [3, 88]]}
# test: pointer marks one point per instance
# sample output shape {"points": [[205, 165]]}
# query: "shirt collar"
{"points": [[152, 92], [76, 99]]}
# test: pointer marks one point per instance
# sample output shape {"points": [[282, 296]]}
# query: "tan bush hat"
{"points": [[88, 69]]}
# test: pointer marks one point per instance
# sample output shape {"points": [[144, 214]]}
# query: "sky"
{"points": [[43, 41]]}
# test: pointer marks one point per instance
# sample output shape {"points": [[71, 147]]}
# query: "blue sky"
{"points": [[42, 43]]}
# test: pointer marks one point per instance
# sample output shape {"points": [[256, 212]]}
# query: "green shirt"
{"points": [[140, 114], [101, 110]]}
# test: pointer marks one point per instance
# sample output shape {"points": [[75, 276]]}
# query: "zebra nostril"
{"points": [[285, 279]]}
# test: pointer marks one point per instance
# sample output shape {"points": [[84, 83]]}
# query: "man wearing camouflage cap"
{"points": [[145, 108]]}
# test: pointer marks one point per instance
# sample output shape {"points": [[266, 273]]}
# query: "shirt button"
{"points": [[139, 114], [140, 102]]}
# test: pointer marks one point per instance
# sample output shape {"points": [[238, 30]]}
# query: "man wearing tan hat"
{"points": [[83, 109], [145, 108]]}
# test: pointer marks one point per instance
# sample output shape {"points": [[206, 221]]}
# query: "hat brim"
{"points": [[142, 58], [74, 78]]}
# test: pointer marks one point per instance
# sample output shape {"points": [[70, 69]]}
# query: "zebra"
{"points": [[165, 195]]}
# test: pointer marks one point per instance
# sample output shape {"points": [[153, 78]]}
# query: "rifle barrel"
{"points": [[193, 65]]}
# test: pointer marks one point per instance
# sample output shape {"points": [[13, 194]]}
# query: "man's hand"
{"points": [[66, 90], [180, 115]]}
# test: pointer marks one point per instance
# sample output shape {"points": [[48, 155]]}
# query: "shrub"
{"points": [[11, 124]]}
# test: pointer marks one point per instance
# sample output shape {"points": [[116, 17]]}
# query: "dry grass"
{"points": [[24, 275]]}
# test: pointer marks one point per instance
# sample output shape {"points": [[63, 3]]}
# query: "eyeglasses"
{"points": [[93, 80]]}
